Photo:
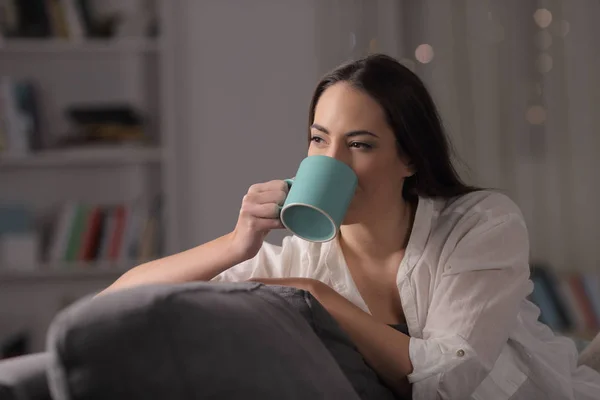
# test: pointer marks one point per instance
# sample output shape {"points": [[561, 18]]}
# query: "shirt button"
{"points": [[460, 353]]}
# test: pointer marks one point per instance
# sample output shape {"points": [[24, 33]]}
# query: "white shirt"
{"points": [[463, 285]]}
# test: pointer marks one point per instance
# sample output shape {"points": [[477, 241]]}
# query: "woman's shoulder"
{"points": [[473, 214], [481, 205], [482, 229]]}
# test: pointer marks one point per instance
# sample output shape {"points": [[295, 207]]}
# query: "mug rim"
{"points": [[335, 160], [335, 228]]}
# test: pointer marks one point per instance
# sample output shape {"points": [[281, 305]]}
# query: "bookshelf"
{"points": [[62, 46], [72, 158], [569, 301], [46, 175], [66, 272]]}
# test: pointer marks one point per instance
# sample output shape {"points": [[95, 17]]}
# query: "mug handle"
{"points": [[289, 182]]}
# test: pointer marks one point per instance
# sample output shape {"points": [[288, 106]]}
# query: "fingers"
{"points": [[261, 206], [267, 210], [275, 224], [263, 200], [277, 185], [257, 224], [272, 196]]}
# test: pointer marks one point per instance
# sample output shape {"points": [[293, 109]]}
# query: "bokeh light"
{"points": [[536, 115], [424, 53], [373, 46], [565, 27], [544, 63], [352, 40], [542, 17]]}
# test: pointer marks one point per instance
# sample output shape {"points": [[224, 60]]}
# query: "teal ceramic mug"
{"points": [[318, 198]]}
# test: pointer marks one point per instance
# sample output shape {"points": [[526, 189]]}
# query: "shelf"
{"points": [[93, 156], [57, 46], [72, 271]]}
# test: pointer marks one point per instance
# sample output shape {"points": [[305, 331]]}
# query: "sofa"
{"points": [[194, 340], [190, 340]]}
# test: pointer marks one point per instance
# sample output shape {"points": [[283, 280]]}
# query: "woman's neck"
{"points": [[379, 235]]}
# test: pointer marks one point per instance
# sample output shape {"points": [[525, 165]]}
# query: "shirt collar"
{"points": [[421, 226]]}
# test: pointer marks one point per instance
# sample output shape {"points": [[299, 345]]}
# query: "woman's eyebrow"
{"points": [[348, 134]]}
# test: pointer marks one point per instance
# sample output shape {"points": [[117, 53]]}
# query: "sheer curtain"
{"points": [[517, 85]]}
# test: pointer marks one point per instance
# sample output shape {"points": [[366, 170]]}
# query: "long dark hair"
{"points": [[412, 115]]}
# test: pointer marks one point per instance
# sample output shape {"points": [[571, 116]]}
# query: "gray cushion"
{"points": [[24, 378], [195, 340]]}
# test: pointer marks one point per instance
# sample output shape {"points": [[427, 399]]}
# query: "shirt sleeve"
{"points": [[473, 308], [271, 261]]}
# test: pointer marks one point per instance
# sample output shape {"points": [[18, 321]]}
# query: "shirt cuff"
{"points": [[434, 356]]}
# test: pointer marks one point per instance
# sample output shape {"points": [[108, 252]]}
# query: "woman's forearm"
{"points": [[384, 348], [200, 263]]}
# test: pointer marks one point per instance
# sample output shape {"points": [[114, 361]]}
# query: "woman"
{"points": [[417, 247]]}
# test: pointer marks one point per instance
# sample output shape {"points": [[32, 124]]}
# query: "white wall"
{"points": [[242, 103]]}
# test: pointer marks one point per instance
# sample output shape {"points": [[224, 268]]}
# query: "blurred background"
{"points": [[131, 129]]}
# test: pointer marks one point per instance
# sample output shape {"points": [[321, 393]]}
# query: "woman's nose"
{"points": [[338, 151]]}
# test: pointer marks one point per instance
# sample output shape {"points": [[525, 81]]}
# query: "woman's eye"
{"points": [[316, 139], [362, 146]]}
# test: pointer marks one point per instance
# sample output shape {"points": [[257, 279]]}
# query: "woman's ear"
{"points": [[411, 169]]}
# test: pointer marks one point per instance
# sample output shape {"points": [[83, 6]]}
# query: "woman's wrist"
{"points": [[233, 251]]}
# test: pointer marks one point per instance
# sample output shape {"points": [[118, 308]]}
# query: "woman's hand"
{"points": [[321, 291], [259, 214]]}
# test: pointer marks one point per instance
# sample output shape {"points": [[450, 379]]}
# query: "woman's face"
{"points": [[351, 126]]}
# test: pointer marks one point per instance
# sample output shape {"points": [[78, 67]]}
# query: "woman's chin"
{"points": [[354, 213], [351, 218]]}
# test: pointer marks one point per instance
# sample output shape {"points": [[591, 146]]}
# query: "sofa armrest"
{"points": [[24, 378], [191, 340]]}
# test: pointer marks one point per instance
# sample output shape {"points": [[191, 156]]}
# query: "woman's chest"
{"points": [[399, 292], [380, 293], [401, 295]]}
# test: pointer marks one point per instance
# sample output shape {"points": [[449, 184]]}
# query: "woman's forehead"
{"points": [[342, 107]]}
